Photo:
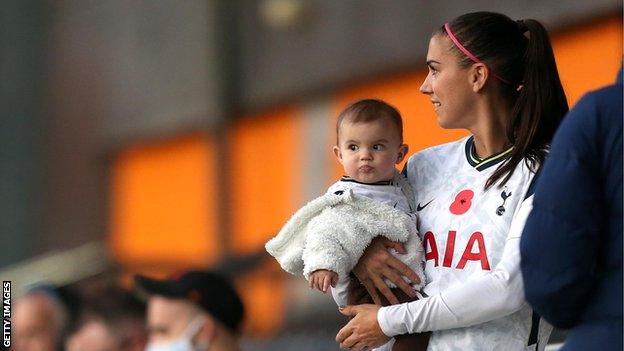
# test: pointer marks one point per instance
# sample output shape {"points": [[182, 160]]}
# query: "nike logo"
{"points": [[419, 208]]}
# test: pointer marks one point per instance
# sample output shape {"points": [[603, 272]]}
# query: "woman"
{"points": [[496, 78]]}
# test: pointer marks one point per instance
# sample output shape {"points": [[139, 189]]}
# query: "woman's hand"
{"points": [[363, 331], [377, 263]]}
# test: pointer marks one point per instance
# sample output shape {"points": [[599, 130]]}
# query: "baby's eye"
{"points": [[378, 147], [352, 147]]}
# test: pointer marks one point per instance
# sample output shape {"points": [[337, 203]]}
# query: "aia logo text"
{"points": [[474, 250]]}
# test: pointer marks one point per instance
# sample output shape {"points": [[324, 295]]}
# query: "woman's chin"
{"points": [[444, 123], [449, 124]]}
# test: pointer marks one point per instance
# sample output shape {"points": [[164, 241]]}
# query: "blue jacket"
{"points": [[571, 246]]}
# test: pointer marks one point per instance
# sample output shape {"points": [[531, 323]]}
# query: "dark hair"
{"points": [[369, 110], [529, 80]]}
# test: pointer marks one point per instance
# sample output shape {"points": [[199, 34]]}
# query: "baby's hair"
{"points": [[369, 110]]}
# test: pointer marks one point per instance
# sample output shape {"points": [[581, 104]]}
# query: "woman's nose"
{"points": [[425, 87]]}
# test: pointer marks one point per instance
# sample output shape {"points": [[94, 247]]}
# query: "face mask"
{"points": [[184, 342]]}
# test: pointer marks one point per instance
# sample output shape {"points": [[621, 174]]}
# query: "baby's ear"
{"points": [[338, 154], [403, 149]]}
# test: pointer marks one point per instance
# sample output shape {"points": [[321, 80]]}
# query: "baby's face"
{"points": [[368, 151]]}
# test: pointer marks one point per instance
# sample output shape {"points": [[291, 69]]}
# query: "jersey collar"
{"points": [[481, 164], [349, 179]]}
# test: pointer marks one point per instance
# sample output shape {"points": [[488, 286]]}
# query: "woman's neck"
{"points": [[490, 129]]}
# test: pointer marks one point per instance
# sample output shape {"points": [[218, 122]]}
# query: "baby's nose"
{"points": [[366, 155]]}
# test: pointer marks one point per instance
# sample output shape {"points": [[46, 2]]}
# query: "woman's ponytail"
{"points": [[539, 107], [522, 57]]}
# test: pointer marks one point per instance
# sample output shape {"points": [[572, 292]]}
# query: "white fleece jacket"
{"points": [[332, 231]]}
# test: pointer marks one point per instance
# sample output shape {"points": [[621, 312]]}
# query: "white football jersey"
{"points": [[387, 192], [471, 239]]}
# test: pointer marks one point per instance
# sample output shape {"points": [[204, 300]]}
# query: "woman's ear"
{"points": [[479, 75], [338, 154], [403, 149]]}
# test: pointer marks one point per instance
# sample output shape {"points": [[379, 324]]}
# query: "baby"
{"points": [[369, 143], [325, 239]]}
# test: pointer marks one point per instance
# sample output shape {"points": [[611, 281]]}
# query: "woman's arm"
{"points": [[479, 299], [377, 263]]}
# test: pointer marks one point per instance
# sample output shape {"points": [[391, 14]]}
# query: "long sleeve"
{"points": [[463, 304], [339, 293]]}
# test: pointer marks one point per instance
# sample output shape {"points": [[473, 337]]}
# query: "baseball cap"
{"points": [[209, 290]]}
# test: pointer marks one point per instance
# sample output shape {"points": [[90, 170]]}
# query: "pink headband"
{"points": [[447, 27]]}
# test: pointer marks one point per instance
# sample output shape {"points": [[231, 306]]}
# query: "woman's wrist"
{"points": [[385, 323]]}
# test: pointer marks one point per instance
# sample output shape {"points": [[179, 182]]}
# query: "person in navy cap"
{"points": [[196, 310]]}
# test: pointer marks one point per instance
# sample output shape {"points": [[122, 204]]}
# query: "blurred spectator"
{"points": [[93, 335], [111, 320], [197, 310], [571, 246], [39, 321]]}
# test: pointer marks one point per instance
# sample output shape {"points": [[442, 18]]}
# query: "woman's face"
{"points": [[448, 85]]}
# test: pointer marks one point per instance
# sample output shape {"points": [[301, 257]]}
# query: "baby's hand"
{"points": [[322, 279]]}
